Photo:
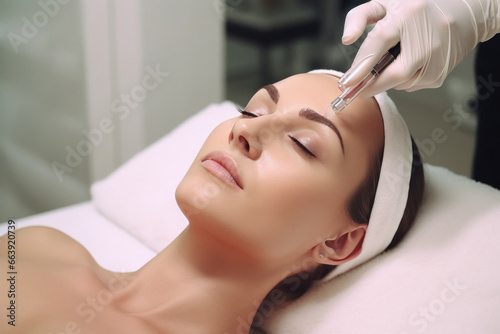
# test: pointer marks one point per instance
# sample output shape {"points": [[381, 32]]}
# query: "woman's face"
{"points": [[273, 183]]}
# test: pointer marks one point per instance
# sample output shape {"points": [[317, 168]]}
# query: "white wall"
{"points": [[42, 106], [187, 39], [86, 71]]}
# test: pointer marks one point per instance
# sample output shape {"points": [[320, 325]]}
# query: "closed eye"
{"points": [[245, 113], [302, 146]]}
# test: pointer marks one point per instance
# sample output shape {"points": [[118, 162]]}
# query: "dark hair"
{"points": [[359, 209]]}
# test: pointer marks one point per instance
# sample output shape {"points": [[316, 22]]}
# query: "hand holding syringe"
{"points": [[351, 93], [435, 35]]}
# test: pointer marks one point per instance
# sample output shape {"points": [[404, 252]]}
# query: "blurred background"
{"points": [[84, 85]]}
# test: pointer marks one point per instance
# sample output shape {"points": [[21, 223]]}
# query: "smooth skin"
{"points": [[239, 243]]}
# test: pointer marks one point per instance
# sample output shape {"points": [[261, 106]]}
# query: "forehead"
{"points": [[311, 89], [317, 90], [320, 89]]}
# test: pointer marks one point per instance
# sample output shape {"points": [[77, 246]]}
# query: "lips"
{"points": [[222, 166]]}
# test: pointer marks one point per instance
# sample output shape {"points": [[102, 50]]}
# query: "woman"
{"points": [[287, 187]]}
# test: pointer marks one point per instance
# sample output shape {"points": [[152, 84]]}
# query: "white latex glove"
{"points": [[435, 36]]}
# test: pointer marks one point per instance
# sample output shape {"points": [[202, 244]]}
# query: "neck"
{"points": [[197, 284]]}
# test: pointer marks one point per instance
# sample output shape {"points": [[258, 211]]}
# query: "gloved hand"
{"points": [[435, 36]]}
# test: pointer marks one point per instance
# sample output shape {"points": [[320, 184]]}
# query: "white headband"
{"points": [[393, 184]]}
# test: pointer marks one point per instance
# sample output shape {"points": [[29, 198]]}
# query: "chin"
{"points": [[199, 196], [184, 195]]}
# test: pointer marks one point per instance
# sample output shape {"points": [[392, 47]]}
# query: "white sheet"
{"points": [[111, 246]]}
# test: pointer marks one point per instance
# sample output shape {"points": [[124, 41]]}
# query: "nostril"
{"points": [[245, 143]]}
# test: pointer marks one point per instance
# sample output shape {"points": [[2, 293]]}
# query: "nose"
{"points": [[245, 137]]}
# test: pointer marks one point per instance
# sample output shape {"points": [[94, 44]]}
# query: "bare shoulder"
{"points": [[48, 270], [42, 243]]}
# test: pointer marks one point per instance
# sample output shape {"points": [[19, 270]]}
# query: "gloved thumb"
{"points": [[358, 18]]}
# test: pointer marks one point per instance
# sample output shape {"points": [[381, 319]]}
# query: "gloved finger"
{"points": [[427, 76], [377, 43], [411, 83], [418, 81], [396, 74], [421, 85], [358, 18]]}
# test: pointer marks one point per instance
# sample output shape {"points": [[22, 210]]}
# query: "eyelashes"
{"points": [[301, 146], [245, 113]]}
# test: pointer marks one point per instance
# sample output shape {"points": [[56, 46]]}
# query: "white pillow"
{"points": [[139, 196]]}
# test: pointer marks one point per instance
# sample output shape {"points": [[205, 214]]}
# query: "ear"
{"points": [[342, 248]]}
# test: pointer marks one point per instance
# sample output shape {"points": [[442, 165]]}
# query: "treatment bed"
{"points": [[443, 278]]}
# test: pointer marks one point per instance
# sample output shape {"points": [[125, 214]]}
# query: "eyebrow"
{"points": [[307, 113], [312, 115], [273, 92]]}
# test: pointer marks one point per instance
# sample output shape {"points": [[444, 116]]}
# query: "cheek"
{"points": [[299, 186], [218, 137], [291, 212]]}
